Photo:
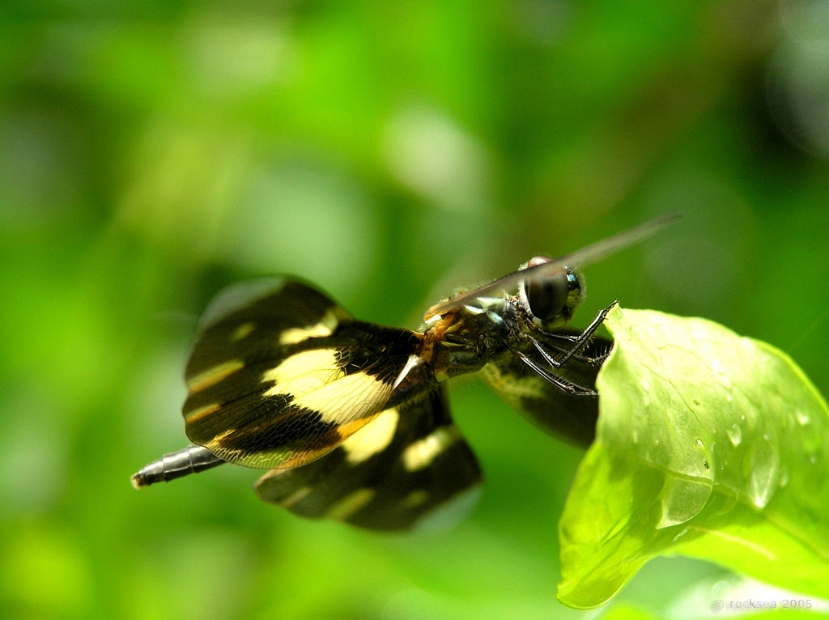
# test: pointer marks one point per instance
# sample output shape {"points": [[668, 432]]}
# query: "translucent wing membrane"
{"points": [[580, 258], [410, 468], [280, 374]]}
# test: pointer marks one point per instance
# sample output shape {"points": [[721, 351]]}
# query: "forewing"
{"points": [[569, 417], [280, 374], [580, 258], [410, 468]]}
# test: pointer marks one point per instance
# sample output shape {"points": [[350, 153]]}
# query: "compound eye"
{"points": [[551, 297]]}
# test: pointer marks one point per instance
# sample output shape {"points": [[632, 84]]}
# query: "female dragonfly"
{"points": [[351, 418]]}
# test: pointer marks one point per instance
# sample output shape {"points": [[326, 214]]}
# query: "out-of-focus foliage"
{"points": [[152, 152], [709, 445]]}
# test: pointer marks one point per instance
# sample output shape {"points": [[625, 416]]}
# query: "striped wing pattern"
{"points": [[409, 469], [279, 374]]}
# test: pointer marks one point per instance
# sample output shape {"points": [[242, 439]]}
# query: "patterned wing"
{"points": [[409, 469], [569, 417], [280, 374]]}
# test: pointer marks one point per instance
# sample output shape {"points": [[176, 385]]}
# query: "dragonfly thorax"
{"points": [[465, 339]]}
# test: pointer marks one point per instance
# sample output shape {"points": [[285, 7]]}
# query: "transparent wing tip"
{"points": [[580, 258]]}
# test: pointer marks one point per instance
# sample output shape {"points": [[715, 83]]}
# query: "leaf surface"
{"points": [[709, 445]]}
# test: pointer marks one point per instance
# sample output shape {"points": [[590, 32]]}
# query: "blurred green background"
{"points": [[151, 152]]}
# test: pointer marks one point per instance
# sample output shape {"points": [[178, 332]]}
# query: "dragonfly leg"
{"points": [[560, 382], [579, 343]]}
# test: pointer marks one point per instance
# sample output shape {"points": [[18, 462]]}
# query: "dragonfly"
{"points": [[351, 418]]}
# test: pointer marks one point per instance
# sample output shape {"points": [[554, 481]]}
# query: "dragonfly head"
{"points": [[551, 299]]}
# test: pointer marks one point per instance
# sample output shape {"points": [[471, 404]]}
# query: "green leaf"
{"points": [[709, 445]]}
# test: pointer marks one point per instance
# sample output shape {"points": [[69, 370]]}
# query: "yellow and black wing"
{"points": [[280, 374], [409, 469], [563, 415]]}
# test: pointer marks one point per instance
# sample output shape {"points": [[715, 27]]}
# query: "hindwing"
{"points": [[409, 468], [280, 374]]}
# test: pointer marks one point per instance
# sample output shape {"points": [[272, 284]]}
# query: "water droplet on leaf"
{"points": [[762, 464], [682, 499], [735, 435]]}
